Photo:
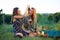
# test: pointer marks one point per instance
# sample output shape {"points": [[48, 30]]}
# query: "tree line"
{"points": [[50, 17], [54, 17]]}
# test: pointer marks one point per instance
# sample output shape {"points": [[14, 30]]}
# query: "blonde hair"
{"points": [[34, 15]]}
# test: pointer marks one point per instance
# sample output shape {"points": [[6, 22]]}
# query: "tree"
{"points": [[38, 18], [54, 17], [1, 11], [0, 17]]}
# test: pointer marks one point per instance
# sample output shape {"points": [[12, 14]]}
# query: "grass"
{"points": [[5, 34]]}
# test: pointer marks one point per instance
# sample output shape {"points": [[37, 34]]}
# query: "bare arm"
{"points": [[28, 31], [18, 16], [26, 11]]}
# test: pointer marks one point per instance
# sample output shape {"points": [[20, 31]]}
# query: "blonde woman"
{"points": [[32, 21]]}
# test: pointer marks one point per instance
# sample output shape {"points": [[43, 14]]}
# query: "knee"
{"points": [[20, 34]]}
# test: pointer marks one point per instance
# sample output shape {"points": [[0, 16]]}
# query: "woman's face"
{"points": [[30, 12], [18, 11]]}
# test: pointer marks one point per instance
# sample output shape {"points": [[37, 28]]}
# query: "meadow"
{"points": [[6, 32]]}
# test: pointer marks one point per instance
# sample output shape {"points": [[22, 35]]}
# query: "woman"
{"points": [[32, 21], [17, 22], [36, 33]]}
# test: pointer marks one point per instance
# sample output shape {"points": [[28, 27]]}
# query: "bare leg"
{"points": [[19, 34], [33, 34]]}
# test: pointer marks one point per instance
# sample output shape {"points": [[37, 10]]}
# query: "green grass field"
{"points": [[6, 34]]}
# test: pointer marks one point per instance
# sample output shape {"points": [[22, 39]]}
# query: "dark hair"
{"points": [[15, 11], [28, 9], [32, 8]]}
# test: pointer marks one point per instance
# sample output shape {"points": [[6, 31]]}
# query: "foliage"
{"points": [[1, 11], [7, 18], [0, 19], [38, 18], [54, 17], [5, 34], [57, 26]]}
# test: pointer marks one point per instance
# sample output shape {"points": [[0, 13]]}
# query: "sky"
{"points": [[41, 6]]}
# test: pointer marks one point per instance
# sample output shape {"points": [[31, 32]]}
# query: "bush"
{"points": [[57, 26], [7, 19], [54, 17], [1, 19]]}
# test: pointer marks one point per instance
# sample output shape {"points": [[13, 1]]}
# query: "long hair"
{"points": [[34, 15], [15, 11]]}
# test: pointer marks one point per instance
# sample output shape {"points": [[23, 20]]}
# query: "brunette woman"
{"points": [[17, 22]]}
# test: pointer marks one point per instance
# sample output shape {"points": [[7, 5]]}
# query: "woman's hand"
{"points": [[26, 11], [28, 6]]}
